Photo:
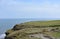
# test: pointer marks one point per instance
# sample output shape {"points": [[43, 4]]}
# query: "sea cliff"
{"points": [[35, 30]]}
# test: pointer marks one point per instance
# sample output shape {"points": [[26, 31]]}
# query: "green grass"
{"points": [[20, 31], [43, 23], [28, 30], [56, 34]]}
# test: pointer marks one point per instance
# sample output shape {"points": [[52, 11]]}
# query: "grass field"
{"points": [[20, 31], [43, 23]]}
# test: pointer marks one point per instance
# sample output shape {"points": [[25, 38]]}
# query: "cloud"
{"points": [[40, 9]]}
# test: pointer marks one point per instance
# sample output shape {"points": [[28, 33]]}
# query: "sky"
{"points": [[29, 9]]}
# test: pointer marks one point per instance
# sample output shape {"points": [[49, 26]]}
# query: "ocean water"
{"points": [[6, 24]]}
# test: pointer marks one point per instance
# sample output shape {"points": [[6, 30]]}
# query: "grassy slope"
{"points": [[25, 31], [43, 23]]}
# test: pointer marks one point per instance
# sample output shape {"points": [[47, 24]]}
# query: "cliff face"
{"points": [[24, 30]]}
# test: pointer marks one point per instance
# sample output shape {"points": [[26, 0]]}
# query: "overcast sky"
{"points": [[29, 8]]}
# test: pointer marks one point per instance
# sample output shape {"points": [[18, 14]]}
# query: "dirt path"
{"points": [[42, 36], [46, 36]]}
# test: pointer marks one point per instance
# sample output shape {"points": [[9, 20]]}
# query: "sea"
{"points": [[6, 24]]}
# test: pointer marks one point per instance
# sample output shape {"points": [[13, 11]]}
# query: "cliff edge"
{"points": [[34, 30]]}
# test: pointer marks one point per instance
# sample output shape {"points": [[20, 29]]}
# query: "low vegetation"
{"points": [[23, 30]]}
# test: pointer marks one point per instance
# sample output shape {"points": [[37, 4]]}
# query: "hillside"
{"points": [[35, 30]]}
